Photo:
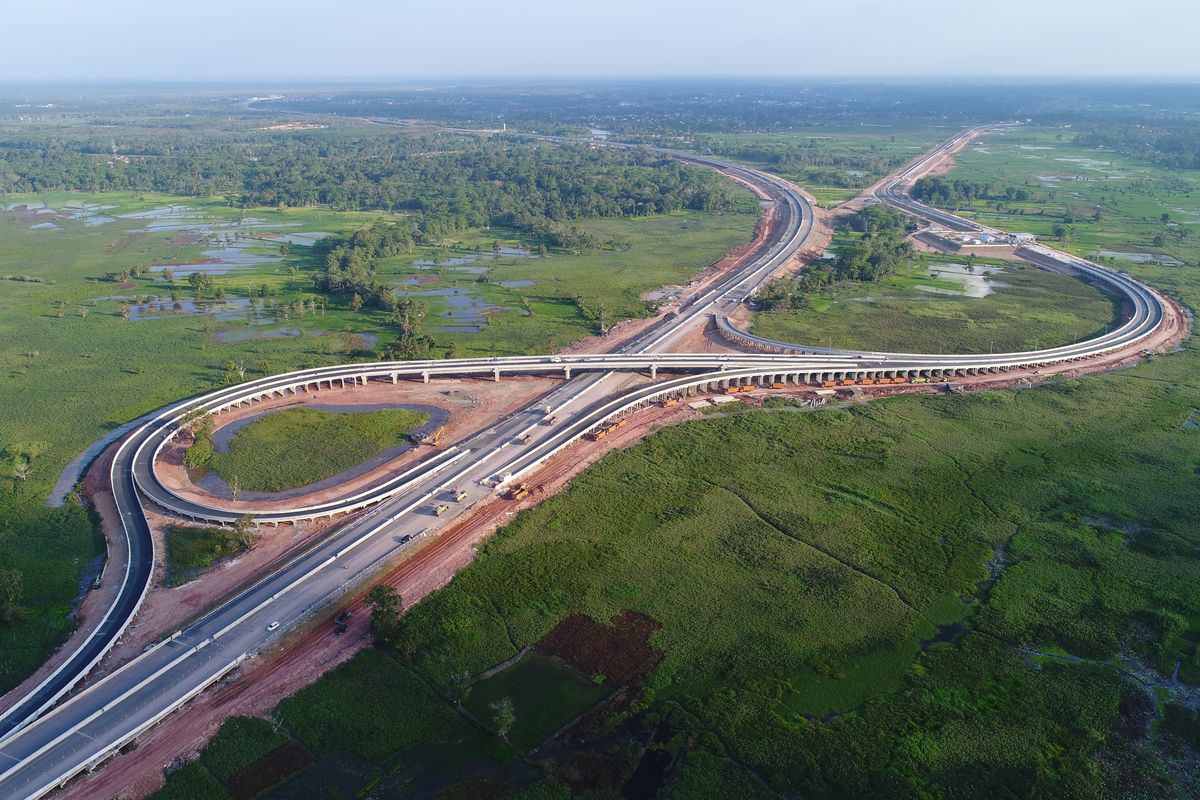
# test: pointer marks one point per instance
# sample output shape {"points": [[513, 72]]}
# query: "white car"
{"points": [[273, 625]]}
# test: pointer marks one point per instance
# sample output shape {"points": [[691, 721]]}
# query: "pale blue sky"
{"points": [[314, 39]]}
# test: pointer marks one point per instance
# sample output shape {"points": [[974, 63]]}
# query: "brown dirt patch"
{"points": [[258, 776], [122, 244], [620, 650]]}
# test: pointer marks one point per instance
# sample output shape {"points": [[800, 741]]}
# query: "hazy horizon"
{"points": [[136, 41]]}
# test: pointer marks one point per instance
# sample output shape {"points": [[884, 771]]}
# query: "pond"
{"points": [[466, 312], [975, 283]]}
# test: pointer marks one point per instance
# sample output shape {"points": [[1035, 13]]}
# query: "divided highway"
{"points": [[38, 754]]}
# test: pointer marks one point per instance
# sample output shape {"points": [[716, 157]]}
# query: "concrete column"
{"points": [[425, 376], [654, 372], [567, 373], [496, 374], [393, 378]]}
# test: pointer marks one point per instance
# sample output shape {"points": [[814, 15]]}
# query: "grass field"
{"points": [[1026, 309], [531, 304], [1069, 183], [544, 693], [110, 371], [191, 551], [802, 564], [299, 446], [955, 596]]}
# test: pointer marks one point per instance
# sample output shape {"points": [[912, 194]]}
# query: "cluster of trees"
{"points": [[1174, 145], [880, 250], [941, 191], [407, 319], [350, 261]]}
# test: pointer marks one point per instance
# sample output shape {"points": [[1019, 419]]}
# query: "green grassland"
{"points": [[191, 551], [641, 254], [954, 596], [1028, 309], [1076, 182], [240, 742], [802, 565], [69, 379], [544, 693], [299, 446]]}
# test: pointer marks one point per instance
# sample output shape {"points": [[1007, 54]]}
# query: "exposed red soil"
{"points": [[620, 650], [287, 759], [263, 682], [473, 404]]}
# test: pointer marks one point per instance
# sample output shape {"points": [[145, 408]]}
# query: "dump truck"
{"points": [[459, 495], [518, 491], [440, 509], [668, 402]]}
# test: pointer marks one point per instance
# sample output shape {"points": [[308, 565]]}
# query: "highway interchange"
{"points": [[43, 745]]}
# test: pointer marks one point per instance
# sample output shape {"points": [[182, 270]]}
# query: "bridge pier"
{"points": [[566, 373], [425, 376], [496, 374], [654, 372]]}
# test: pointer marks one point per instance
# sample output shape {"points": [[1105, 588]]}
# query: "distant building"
{"points": [[1023, 238]]}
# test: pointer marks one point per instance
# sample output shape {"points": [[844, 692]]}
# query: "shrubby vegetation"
{"points": [[192, 550], [820, 554]]}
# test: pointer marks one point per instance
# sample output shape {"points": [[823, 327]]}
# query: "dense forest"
{"points": [[874, 255], [447, 183]]}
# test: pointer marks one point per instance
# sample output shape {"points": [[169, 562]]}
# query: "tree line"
{"points": [[941, 191], [448, 183], [1169, 144]]}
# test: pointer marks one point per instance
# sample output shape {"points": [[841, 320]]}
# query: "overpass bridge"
{"points": [[41, 750]]}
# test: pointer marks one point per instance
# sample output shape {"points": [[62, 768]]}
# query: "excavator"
{"points": [[432, 438]]}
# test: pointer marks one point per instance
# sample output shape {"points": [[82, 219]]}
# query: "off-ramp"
{"points": [[39, 753]]}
